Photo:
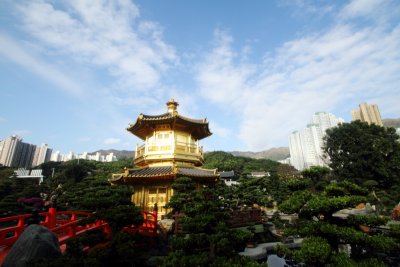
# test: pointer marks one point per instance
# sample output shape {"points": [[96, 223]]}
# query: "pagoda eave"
{"points": [[162, 174], [145, 124], [129, 180]]}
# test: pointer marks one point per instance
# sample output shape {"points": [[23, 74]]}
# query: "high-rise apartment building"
{"points": [[43, 155], [69, 156], [8, 149], [367, 113], [306, 145], [110, 157], [56, 156], [15, 153], [24, 155]]}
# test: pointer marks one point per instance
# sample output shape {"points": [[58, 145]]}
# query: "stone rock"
{"points": [[34, 243], [166, 225]]}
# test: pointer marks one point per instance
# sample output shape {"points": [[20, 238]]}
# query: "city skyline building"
{"points": [[58, 157], [16, 153], [8, 150], [367, 113], [25, 153], [42, 155], [306, 146]]}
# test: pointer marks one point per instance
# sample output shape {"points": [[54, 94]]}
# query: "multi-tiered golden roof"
{"points": [[171, 149]]}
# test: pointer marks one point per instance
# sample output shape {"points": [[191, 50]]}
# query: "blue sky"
{"points": [[75, 73]]}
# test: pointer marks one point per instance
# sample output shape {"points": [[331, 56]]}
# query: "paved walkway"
{"points": [[260, 251]]}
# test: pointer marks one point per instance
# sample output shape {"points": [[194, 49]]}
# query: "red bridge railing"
{"points": [[65, 225]]}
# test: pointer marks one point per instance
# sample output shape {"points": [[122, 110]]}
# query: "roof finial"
{"points": [[172, 105]]}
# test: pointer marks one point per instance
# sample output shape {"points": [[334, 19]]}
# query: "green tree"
{"points": [[242, 166], [107, 202], [85, 187], [314, 251], [359, 152], [317, 220], [12, 189], [207, 239], [286, 172], [319, 175]]}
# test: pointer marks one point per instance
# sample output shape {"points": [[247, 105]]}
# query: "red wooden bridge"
{"points": [[65, 225]]}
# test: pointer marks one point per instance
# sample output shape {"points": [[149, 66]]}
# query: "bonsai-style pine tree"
{"points": [[93, 193], [206, 239], [325, 232]]}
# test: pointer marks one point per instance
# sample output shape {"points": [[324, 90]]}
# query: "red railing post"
{"points": [[21, 221], [52, 217], [155, 214], [154, 221], [21, 227]]}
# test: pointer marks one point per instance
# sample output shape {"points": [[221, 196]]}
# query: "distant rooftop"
{"points": [[227, 174]]}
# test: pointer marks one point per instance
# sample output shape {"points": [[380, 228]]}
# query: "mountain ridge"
{"points": [[275, 153]]}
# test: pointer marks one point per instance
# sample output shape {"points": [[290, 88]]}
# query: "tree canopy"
{"points": [[242, 166], [325, 232], [359, 152], [368, 155], [207, 240]]}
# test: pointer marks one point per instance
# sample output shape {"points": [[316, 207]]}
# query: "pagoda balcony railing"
{"points": [[169, 148]]}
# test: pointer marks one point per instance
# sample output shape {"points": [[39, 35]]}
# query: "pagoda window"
{"points": [[159, 141], [163, 136], [152, 190]]}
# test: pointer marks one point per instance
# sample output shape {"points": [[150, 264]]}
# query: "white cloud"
{"points": [[108, 34], [219, 77], [2, 119], [111, 141], [218, 130], [337, 69], [307, 7], [16, 53], [379, 11], [361, 7]]}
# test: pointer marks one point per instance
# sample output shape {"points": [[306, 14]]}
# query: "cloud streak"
{"points": [[107, 34], [13, 51], [315, 72]]}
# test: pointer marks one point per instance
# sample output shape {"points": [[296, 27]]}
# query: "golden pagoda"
{"points": [[171, 149]]}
